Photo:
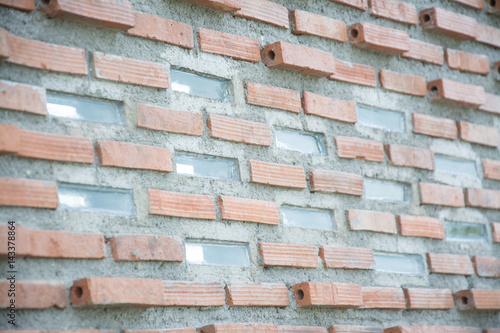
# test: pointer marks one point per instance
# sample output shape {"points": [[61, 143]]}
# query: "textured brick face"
{"points": [[448, 23], [474, 133], [181, 205], [432, 299], [483, 198], [258, 211], [444, 195], [273, 97], [162, 119], [289, 255], [146, 247], [411, 157], [264, 11], [360, 149], [347, 257], [220, 5], [336, 182], [277, 174], [403, 83], [377, 38], [495, 230], [394, 10], [452, 92], [28, 193], [9, 139], [372, 221], [354, 73], [330, 108], [434, 126], [35, 294], [239, 130], [236, 47], [420, 226], [328, 294], [449, 264], [467, 62], [358, 4], [257, 294], [312, 24], [424, 52], [20, 97], [383, 298], [487, 266], [478, 299], [24, 5]]}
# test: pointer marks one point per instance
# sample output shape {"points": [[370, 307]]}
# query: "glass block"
{"points": [[455, 166], [383, 119], [386, 190], [399, 263], [465, 232], [306, 143], [307, 218], [217, 253], [207, 166], [200, 85]]}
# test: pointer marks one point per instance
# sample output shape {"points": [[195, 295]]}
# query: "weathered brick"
{"points": [[182, 205], [226, 6], [431, 329], [328, 294], [424, 52], [347, 257], [492, 6], [305, 23], [403, 83], [443, 195], [478, 299], [487, 266], [264, 11], [491, 169], [4, 43], [328, 107], [358, 4], [467, 62], [372, 221], [288, 255], [428, 299], [474, 133], [492, 104], [420, 226], [234, 46], [495, 230], [239, 327], [298, 58], [9, 139], [488, 35], [410, 156], [354, 73], [277, 174], [336, 182], [394, 10], [239, 130], [476, 4], [28, 193], [34, 294], [448, 23], [257, 294], [178, 293], [360, 149], [146, 247], [444, 263], [434, 126], [378, 38], [383, 298], [354, 329], [21, 97], [24, 5], [482, 198], [273, 97], [301, 329], [239, 209], [162, 119], [467, 95]]}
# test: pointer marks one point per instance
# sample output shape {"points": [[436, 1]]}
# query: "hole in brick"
{"points": [[493, 3], [78, 292], [465, 300], [271, 54], [434, 90], [300, 294], [427, 18], [45, 2], [354, 33]]}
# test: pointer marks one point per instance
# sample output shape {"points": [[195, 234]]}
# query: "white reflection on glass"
{"points": [[399, 263], [200, 85], [217, 253], [64, 111], [386, 190], [207, 166], [306, 143], [383, 119], [307, 218]]}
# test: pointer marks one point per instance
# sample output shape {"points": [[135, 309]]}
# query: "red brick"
{"points": [[420, 226], [354, 329], [288, 255], [146, 247], [336, 182], [21, 97], [403, 83], [182, 205], [28, 193], [24, 5], [467, 95], [239, 130], [487, 266], [301, 329], [162, 119], [467, 62], [9, 139], [383, 298], [424, 52], [347, 257], [491, 330], [491, 169], [478, 299], [358, 4], [354, 73], [443, 195], [21, 240], [264, 11], [394, 10], [476, 4], [495, 230], [448, 23], [234, 46], [34, 294], [305, 23], [273, 97], [330, 108], [162, 29], [492, 104], [428, 299], [434, 126], [132, 156], [410, 156], [178, 293], [372, 221], [173, 330], [377, 38], [226, 6], [492, 7], [488, 35], [257, 294], [449, 264], [431, 329], [328, 294], [482, 198], [239, 328], [239, 209], [360, 149], [4, 43], [298, 58], [474, 133], [117, 14], [277, 174]]}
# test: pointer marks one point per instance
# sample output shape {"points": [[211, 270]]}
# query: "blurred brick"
{"points": [[328, 294], [476, 4], [448, 23], [431, 329], [277, 174], [496, 70], [478, 299], [492, 104], [495, 230], [4, 43], [182, 205], [428, 299], [9, 139], [420, 226], [467, 62], [273, 97], [342, 257], [453, 92], [372, 221], [383, 298], [264, 11], [24, 5], [21, 97], [403, 83], [354, 73], [410, 156], [328, 107], [306, 23], [491, 169], [288, 255], [492, 7], [336, 182], [354, 329], [179, 293], [394, 10], [487, 266], [162, 119], [239, 130], [226, 6], [449, 264], [424, 52], [239, 328], [358, 4], [173, 330], [239, 209], [488, 35], [444, 195], [360, 149], [234, 46], [34, 294], [482, 198], [474, 133], [378, 38], [28, 193], [257, 294], [22, 241], [434, 126], [146, 247]]}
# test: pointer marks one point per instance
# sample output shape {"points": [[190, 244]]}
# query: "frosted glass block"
{"points": [[386, 190], [307, 218], [306, 143], [399, 263], [207, 166], [465, 232], [383, 119], [200, 85], [217, 253], [455, 166]]}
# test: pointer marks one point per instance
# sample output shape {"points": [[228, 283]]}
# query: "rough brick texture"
{"points": [[410, 156], [424, 52], [328, 294], [403, 83], [9, 139], [474, 133], [428, 299], [264, 11], [487, 266], [239, 209], [182, 205], [476, 4], [449, 264], [483, 198], [383, 298], [146, 247], [453, 92], [28, 193], [444, 195], [360, 149], [239, 130], [305, 23], [434, 126], [328, 107], [468, 62], [162, 119], [492, 104], [488, 35], [4, 44], [372, 221], [335, 182], [273, 97], [277, 174], [220, 5], [288, 255], [420, 226], [236, 47], [448, 23], [378, 38], [478, 299], [21, 97], [358, 4], [495, 230], [34, 294], [24, 5], [347, 257], [431, 329], [354, 73], [257, 294], [394, 10]]}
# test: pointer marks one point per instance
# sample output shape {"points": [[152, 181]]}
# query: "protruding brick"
{"points": [[258, 211], [492, 6], [410, 156], [448, 23], [234, 46], [336, 182], [257, 294], [277, 174], [428, 299], [488, 35], [443, 195], [372, 221], [34, 294], [420, 226], [358, 4], [398, 11], [239, 130], [328, 294], [467, 95], [273, 97], [146, 248], [9, 139], [478, 299], [495, 230], [492, 104], [347, 257], [403, 83], [354, 73], [298, 58], [182, 205], [482, 198], [28, 193], [288, 255], [330, 108], [449, 264], [378, 38], [383, 298], [306, 23], [226, 6], [21, 97], [434, 126], [467, 62], [4, 43], [431, 329], [474, 133], [162, 119], [239, 327], [301, 329], [264, 11], [354, 329], [476, 4], [361, 149], [24, 5], [487, 266], [424, 52]]}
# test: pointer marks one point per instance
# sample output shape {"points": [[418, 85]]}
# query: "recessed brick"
{"points": [[226, 6], [239, 209], [288, 255], [182, 205], [448, 23], [443, 195], [449, 264], [488, 35], [431, 329], [394, 10], [21, 97], [336, 182], [428, 299], [301, 329], [162, 119], [354, 329], [487, 266], [377, 38], [474, 133], [273, 97], [277, 174], [467, 62], [495, 230], [328, 107], [343, 257], [358, 4], [492, 104], [239, 327], [264, 11], [34, 294], [420, 226], [234, 46], [257, 294], [360, 149], [146, 248], [383, 298], [24, 5], [434, 126], [478, 299], [482, 198], [354, 73], [425, 52], [305, 23], [4, 43], [328, 294], [9, 139], [410, 156], [403, 83], [372, 221], [28, 193], [239, 130], [453, 92], [476, 4]]}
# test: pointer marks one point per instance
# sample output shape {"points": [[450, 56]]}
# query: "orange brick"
{"points": [[488, 35], [467, 95], [434, 126], [21, 97], [428, 299], [354, 329], [330, 108], [273, 97], [117, 14], [448, 23], [403, 83], [483, 198], [492, 104], [383, 298], [491, 169], [354, 73], [239, 130], [4, 43], [474, 133], [372, 221], [431, 329], [443, 195], [24, 5], [424, 52], [239, 327], [358, 4], [298, 58], [264, 11], [257, 294], [162, 29], [336, 182], [126, 70], [226, 6], [491, 330], [377, 38], [328, 294], [28, 193], [476, 4], [495, 230], [132, 156], [146, 247], [301, 329], [305, 23], [258, 211], [162, 119], [467, 62], [410, 156], [277, 174], [394, 10], [288, 255], [22, 241], [178, 293], [9, 139], [34, 294], [182, 205], [487, 266], [347, 257], [234, 46], [449, 264], [420, 226], [360, 149], [478, 299], [492, 6]]}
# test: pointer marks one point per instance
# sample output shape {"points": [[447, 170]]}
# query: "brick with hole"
{"points": [[479, 134], [475, 4], [482, 198], [377, 38], [456, 93], [448, 23], [336, 182], [357, 4], [487, 266], [444, 263], [226, 6], [425, 52], [366, 220], [146, 248], [420, 226], [467, 62], [492, 6], [24, 5], [398, 11], [234, 46], [33, 294], [288, 255], [239, 327], [249, 210], [264, 11], [492, 104], [330, 108], [410, 156], [402, 83], [194, 206], [20, 97], [239, 130], [488, 35], [305, 23], [23, 192], [342, 257], [4, 44], [257, 294], [327, 294], [354, 73], [478, 299], [434, 126], [443, 195], [431, 329], [354, 329], [161, 119], [277, 174], [495, 230], [360, 149], [273, 97], [428, 299], [300, 329], [383, 298]]}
